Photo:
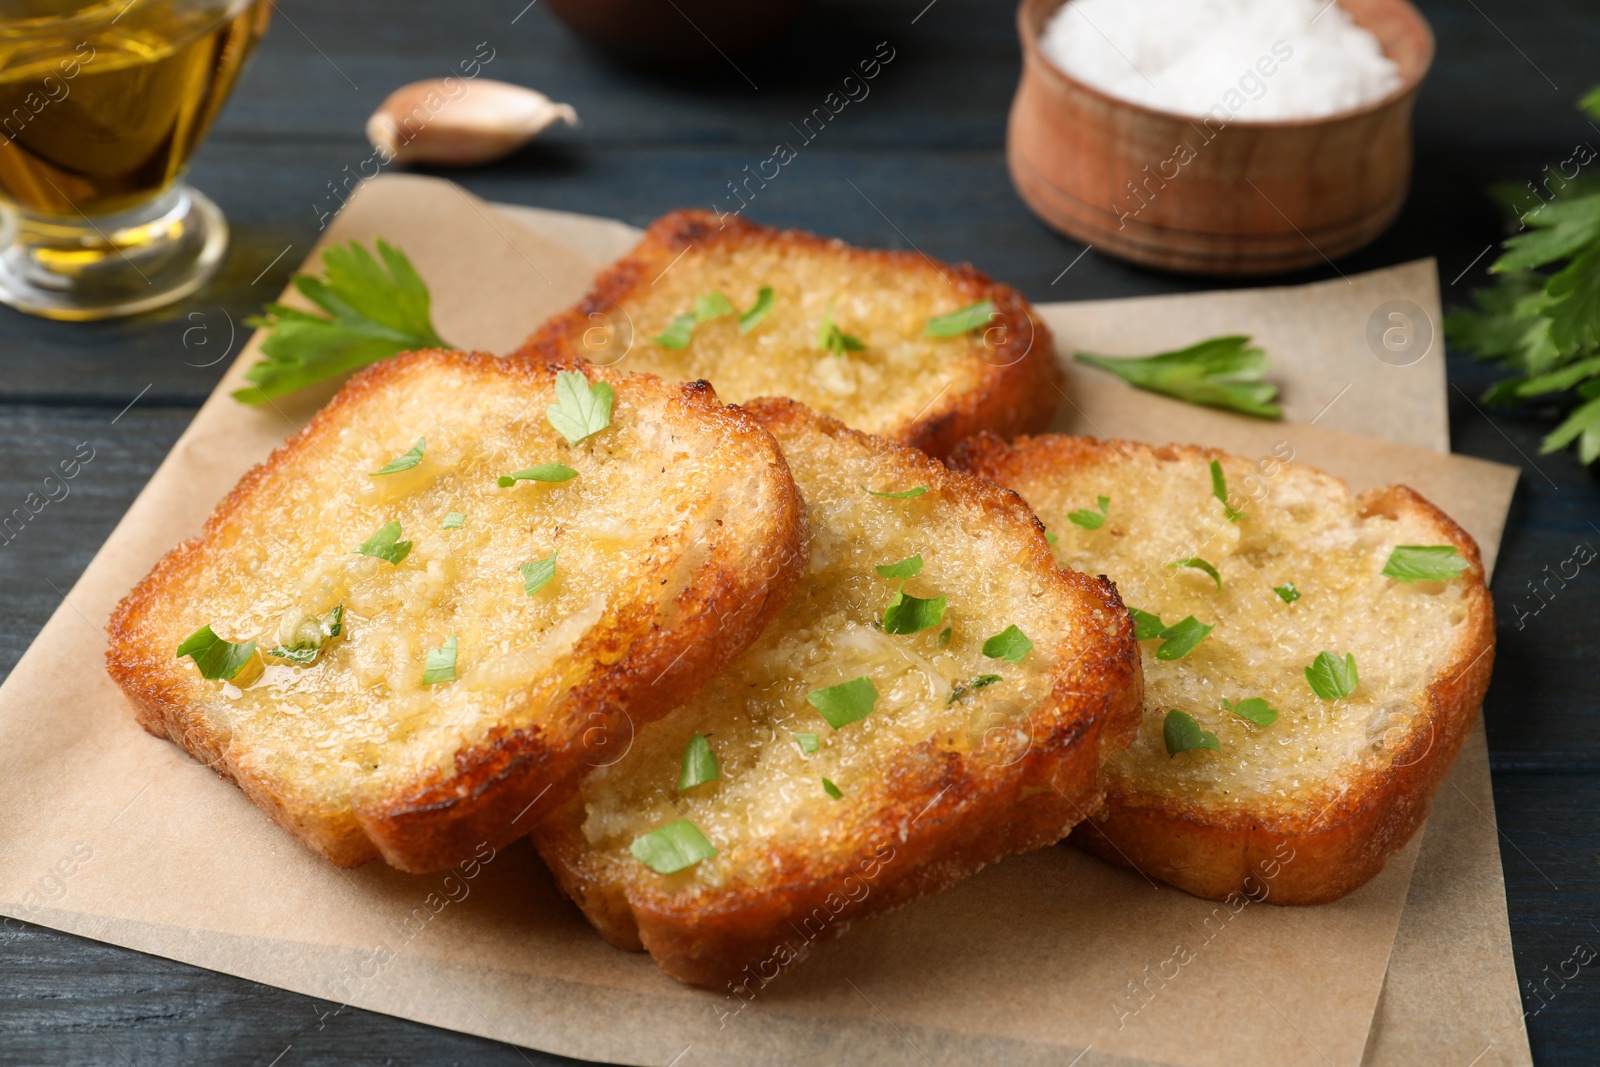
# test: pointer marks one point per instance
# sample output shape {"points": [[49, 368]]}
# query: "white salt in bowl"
{"points": [[1177, 192]]}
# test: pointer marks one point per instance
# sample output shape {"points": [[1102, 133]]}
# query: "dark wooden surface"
{"points": [[920, 160]]}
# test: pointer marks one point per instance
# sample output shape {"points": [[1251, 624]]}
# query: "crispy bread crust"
{"points": [[1305, 858], [950, 814], [1018, 389], [439, 819]]}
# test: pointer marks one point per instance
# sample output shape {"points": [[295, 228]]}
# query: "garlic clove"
{"points": [[459, 121]]}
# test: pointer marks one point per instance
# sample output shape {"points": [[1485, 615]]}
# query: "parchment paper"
{"points": [[113, 834]]}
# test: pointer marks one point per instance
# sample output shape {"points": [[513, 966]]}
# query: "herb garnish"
{"points": [[808, 742], [1200, 565], [544, 472], [1332, 678], [536, 573], [1050, 537], [371, 315], [440, 665], [758, 311], [678, 333], [1091, 520], [1253, 709], [904, 494], [832, 790], [215, 657], [831, 339], [403, 462], [845, 703], [1180, 638], [306, 639], [1223, 372], [581, 410], [1146, 627], [964, 689], [1424, 563], [962, 320], [712, 306], [1183, 734], [385, 543], [1543, 327], [674, 847], [909, 614], [699, 763], [944, 636], [1010, 644], [906, 568], [1219, 489], [454, 520], [1287, 592]]}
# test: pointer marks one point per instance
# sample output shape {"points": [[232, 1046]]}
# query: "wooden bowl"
{"points": [[1207, 197]]}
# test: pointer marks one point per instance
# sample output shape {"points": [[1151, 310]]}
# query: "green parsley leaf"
{"points": [[674, 847], [1219, 489], [1223, 372], [832, 790], [699, 763], [758, 311], [961, 321], [536, 573], [909, 614], [1583, 426], [215, 657], [830, 339], [846, 703], [441, 663], [1200, 565], [1010, 644], [962, 690], [1332, 678], [1146, 627], [581, 410], [944, 636], [544, 472], [678, 333], [403, 462], [904, 494], [906, 568], [712, 306], [1091, 520], [808, 742], [1182, 637], [1287, 592], [454, 520], [1050, 537], [309, 637], [1424, 563], [1183, 734], [373, 311], [385, 543], [1253, 709]]}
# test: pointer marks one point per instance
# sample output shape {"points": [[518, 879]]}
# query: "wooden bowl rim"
{"points": [[1408, 86]]}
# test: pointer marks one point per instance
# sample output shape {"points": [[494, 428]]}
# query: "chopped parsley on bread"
{"points": [[894, 343], [937, 695], [1313, 659], [464, 583]]}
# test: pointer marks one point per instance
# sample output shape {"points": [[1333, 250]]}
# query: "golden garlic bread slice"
{"points": [[937, 695], [463, 583], [1313, 659], [893, 343]]}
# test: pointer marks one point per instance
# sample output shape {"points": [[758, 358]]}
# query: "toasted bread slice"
{"points": [[815, 826], [1307, 808], [926, 392], [678, 536]]}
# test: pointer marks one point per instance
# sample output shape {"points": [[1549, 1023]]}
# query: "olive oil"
{"points": [[103, 111]]}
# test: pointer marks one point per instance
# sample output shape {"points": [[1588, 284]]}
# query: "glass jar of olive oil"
{"points": [[101, 106]]}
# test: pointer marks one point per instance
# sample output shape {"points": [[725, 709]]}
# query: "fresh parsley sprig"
{"points": [[1223, 372], [373, 310], [1541, 319]]}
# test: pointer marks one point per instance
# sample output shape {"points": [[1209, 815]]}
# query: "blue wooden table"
{"points": [[919, 161]]}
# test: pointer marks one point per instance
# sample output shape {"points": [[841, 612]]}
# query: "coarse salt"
{"points": [[1235, 60]]}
